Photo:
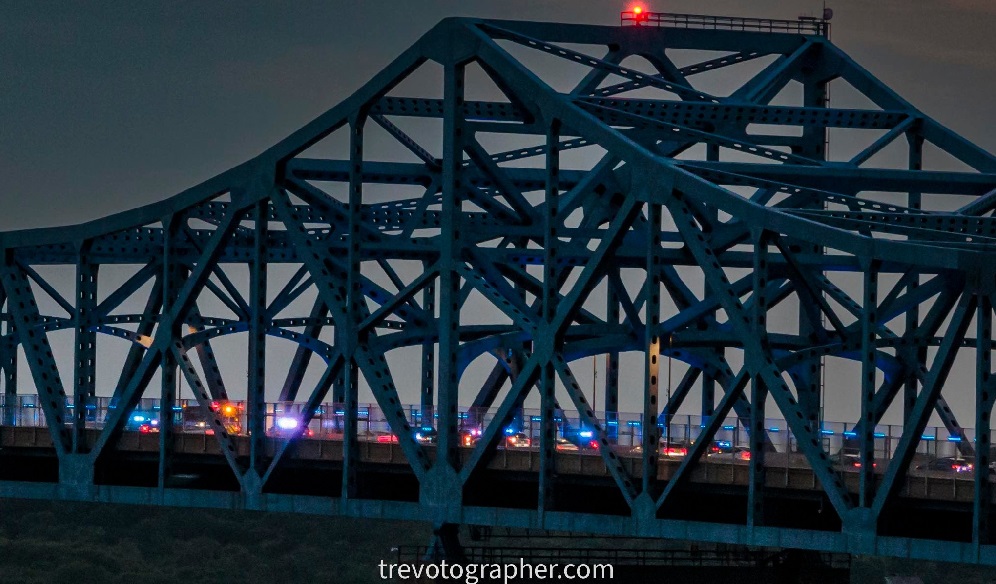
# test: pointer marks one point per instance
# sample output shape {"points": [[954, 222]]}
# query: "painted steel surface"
{"points": [[469, 202]]}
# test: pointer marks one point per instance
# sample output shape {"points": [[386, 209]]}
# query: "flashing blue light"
{"points": [[827, 432], [928, 438], [633, 423], [462, 415], [850, 434], [728, 427], [536, 418], [340, 412], [586, 434], [724, 443], [509, 431], [287, 423], [773, 429], [954, 438], [879, 435], [138, 418], [612, 423], [177, 408]]}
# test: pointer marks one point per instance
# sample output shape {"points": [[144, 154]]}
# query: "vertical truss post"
{"points": [[85, 361], [546, 346], [427, 405], [612, 369], [448, 380], [339, 386], [347, 333], [256, 390], [8, 363], [9, 348], [866, 441], [814, 146], [652, 342], [758, 387], [916, 353], [985, 395], [708, 381], [171, 280]]}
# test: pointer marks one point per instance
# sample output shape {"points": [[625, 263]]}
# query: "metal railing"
{"points": [[802, 25]]}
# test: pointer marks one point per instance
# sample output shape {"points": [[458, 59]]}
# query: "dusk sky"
{"points": [[129, 103]]}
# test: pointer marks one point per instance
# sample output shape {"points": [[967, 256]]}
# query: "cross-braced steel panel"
{"points": [[521, 197]]}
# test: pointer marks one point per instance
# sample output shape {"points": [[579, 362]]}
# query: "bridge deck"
{"points": [[784, 471]]}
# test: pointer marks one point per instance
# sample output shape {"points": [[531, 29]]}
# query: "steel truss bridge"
{"points": [[471, 204]]}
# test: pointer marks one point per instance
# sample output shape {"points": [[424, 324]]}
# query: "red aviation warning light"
{"points": [[637, 15]]}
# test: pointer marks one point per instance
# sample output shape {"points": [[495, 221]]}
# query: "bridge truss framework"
{"points": [[719, 225]]}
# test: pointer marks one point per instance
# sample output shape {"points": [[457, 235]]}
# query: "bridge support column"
{"points": [[445, 544], [985, 397], [76, 477], [9, 364], [252, 491], [611, 391]]}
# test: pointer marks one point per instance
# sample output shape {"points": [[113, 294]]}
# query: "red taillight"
{"points": [[593, 445], [745, 455]]}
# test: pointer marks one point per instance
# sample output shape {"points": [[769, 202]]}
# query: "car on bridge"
{"points": [[195, 420], [518, 440], [948, 464], [672, 450], [849, 459], [143, 421], [732, 454]]}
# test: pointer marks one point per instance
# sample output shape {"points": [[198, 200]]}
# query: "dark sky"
{"points": [[130, 102]]}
